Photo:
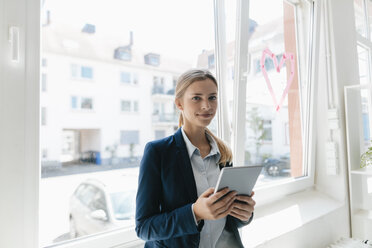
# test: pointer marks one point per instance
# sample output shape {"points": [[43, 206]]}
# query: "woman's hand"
{"points": [[206, 207], [243, 210]]}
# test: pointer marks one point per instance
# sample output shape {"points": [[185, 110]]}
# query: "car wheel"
{"points": [[273, 170], [73, 231]]}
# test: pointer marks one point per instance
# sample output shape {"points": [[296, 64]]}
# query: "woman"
{"points": [[175, 204]]}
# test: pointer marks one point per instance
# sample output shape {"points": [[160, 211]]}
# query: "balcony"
{"points": [[165, 118]]}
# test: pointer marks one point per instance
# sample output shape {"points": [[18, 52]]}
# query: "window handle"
{"points": [[14, 43]]}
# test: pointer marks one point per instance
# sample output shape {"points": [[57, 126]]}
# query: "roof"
{"points": [[71, 41]]}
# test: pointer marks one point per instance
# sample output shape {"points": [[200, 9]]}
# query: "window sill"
{"points": [[287, 214]]}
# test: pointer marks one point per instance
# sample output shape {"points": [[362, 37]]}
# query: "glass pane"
{"points": [[363, 62], [112, 68], [274, 135], [360, 20]]}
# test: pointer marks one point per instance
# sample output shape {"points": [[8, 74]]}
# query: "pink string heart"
{"points": [[285, 56]]}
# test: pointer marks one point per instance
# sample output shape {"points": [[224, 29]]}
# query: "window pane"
{"points": [[274, 138], [86, 72], [101, 42], [360, 20], [125, 77]]}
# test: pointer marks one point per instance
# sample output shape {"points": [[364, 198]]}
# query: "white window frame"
{"points": [[272, 191]]}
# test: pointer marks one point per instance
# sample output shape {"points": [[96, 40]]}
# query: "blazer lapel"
{"points": [[185, 165]]}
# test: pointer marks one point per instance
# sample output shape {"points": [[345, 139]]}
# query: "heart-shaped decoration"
{"points": [[286, 56]]}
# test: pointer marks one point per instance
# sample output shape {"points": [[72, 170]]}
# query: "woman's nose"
{"points": [[206, 105]]}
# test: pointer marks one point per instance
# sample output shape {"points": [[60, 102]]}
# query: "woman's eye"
{"points": [[196, 98], [213, 98]]}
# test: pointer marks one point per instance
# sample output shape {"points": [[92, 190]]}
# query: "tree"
{"points": [[256, 124]]}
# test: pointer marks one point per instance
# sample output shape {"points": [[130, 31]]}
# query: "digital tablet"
{"points": [[241, 179]]}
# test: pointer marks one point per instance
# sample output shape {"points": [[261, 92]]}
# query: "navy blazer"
{"points": [[166, 191]]}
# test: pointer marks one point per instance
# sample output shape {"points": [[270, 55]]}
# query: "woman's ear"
{"points": [[178, 104]]}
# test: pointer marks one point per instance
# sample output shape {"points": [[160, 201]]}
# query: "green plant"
{"points": [[366, 158]]}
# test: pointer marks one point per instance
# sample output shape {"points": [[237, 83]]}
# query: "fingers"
{"points": [[247, 199], [208, 192], [218, 195], [224, 205], [244, 217], [243, 207], [227, 212]]}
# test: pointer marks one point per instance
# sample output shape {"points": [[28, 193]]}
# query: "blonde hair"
{"points": [[183, 82]]}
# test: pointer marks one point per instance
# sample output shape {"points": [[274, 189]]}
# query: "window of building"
{"points": [[135, 106], [125, 77], [44, 153], [43, 116], [126, 106], [86, 72], [211, 61], [44, 62], [129, 137], [74, 102], [81, 72], [86, 103], [152, 59], [43, 82]]}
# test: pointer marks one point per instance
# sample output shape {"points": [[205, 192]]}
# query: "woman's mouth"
{"points": [[205, 115]]}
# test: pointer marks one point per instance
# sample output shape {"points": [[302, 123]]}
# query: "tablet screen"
{"points": [[242, 179]]}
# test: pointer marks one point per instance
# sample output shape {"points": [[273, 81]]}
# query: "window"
{"points": [[152, 59], [44, 153], [126, 106], [211, 61], [129, 137], [43, 82], [89, 28], [123, 53], [264, 142], [267, 132], [135, 106], [43, 116], [114, 135], [74, 102], [81, 72], [86, 103], [125, 77], [87, 72], [44, 62]]}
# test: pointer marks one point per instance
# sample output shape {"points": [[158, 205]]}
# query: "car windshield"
{"points": [[123, 204]]}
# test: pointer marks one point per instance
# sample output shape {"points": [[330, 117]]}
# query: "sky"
{"points": [[172, 28]]}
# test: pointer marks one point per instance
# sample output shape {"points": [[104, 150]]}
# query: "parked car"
{"points": [[99, 205], [278, 166]]}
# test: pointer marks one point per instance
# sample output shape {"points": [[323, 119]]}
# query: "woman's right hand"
{"points": [[206, 207]]}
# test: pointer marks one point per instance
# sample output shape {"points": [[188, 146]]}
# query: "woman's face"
{"points": [[199, 103]]}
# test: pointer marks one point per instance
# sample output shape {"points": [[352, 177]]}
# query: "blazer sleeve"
{"points": [[151, 222]]}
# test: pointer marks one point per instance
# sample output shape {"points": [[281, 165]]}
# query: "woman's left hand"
{"points": [[243, 210]]}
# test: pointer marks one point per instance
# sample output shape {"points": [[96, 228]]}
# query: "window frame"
{"points": [[272, 191], [31, 110]]}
